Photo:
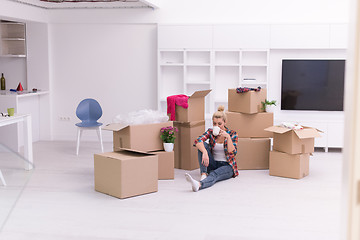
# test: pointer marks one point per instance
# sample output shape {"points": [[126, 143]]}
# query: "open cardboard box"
{"points": [[195, 110], [293, 141], [247, 102], [144, 137], [126, 173]]}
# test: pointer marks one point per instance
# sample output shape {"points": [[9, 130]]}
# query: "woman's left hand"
{"points": [[224, 134]]}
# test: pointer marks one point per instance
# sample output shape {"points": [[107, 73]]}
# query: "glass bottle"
{"points": [[2, 82]]}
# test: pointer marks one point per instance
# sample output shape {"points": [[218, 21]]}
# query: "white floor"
{"points": [[59, 202]]}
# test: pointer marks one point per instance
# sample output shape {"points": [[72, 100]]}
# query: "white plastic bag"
{"points": [[293, 126], [146, 116]]}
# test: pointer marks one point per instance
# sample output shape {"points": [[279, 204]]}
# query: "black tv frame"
{"points": [[312, 84]]}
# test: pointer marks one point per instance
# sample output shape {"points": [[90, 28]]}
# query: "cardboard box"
{"points": [[289, 165], [195, 110], [293, 141], [144, 137], [247, 102], [186, 155], [250, 125], [253, 153], [126, 173], [166, 164]]}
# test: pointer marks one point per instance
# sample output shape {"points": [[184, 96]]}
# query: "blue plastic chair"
{"points": [[88, 111]]}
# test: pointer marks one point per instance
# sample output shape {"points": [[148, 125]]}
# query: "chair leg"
{"points": [[2, 178], [98, 131], [79, 132]]}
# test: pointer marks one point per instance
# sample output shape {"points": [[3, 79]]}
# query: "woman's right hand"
{"points": [[205, 159]]}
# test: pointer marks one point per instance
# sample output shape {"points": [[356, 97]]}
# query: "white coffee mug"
{"points": [[216, 130]]}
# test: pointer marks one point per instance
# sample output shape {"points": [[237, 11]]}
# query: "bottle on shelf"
{"points": [[3, 87]]}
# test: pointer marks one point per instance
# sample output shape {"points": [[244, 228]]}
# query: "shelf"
{"points": [[13, 55], [198, 58], [12, 23], [171, 64], [197, 74], [254, 65], [254, 57], [13, 39], [227, 58], [252, 82], [198, 65], [227, 65], [171, 57], [198, 83]]}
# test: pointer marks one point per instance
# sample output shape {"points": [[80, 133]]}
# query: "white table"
{"points": [[26, 119]]}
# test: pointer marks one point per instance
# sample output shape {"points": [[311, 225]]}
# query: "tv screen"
{"points": [[312, 85]]}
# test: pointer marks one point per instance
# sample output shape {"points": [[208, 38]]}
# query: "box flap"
{"points": [[114, 126], [307, 133], [277, 129], [135, 151], [314, 128], [124, 154], [198, 94]]}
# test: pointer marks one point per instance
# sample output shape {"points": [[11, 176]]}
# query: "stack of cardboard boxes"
{"points": [[246, 117], [191, 124], [291, 151], [137, 162]]}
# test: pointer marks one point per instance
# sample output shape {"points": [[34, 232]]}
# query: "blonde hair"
{"points": [[220, 113]]}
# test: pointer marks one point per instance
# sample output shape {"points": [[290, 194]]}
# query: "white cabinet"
{"points": [[220, 57], [338, 35], [335, 134], [301, 36], [185, 36], [184, 71], [29, 103], [241, 36], [12, 39]]}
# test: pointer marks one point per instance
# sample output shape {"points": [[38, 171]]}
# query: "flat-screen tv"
{"points": [[316, 85]]}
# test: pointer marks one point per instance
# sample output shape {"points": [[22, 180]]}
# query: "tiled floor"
{"points": [[59, 202]]}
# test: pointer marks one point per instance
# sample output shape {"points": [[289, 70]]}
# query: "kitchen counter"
{"points": [[7, 93]]}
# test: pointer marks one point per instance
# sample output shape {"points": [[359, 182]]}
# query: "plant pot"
{"points": [[168, 147], [270, 108]]}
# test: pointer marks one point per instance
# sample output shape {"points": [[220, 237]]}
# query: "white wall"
{"points": [[113, 63], [14, 70]]}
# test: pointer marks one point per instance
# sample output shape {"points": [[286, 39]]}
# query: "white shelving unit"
{"points": [[13, 43], [184, 71], [222, 56]]}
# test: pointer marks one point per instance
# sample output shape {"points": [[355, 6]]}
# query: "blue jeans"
{"points": [[217, 170]]}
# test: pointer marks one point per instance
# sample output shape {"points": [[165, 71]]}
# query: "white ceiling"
{"points": [[76, 4]]}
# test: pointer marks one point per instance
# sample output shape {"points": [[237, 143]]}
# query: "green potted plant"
{"points": [[268, 106], [168, 137]]}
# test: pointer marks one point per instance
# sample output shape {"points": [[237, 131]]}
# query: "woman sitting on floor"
{"points": [[216, 159]]}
